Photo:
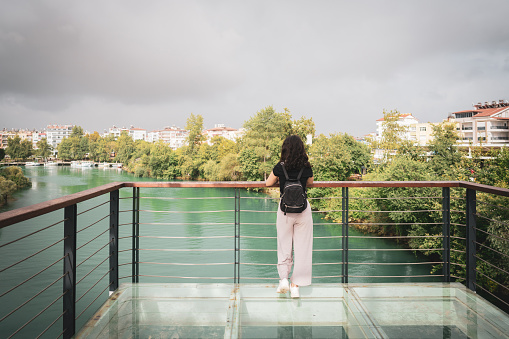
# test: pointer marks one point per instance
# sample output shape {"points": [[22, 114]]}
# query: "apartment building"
{"points": [[4, 136], [419, 133], [115, 132], [485, 125], [138, 133], [152, 136], [36, 137], [221, 131], [175, 137], [56, 133]]}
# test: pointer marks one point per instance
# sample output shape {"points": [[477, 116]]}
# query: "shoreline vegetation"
{"points": [[12, 179], [335, 157]]}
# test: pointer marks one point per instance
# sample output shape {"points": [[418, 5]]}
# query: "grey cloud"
{"points": [[340, 62]]}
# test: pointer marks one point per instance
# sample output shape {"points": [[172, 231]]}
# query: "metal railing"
{"points": [[52, 283]]}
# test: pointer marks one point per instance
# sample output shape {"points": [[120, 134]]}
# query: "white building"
{"points": [[36, 137], [138, 133], [115, 132], [4, 137], [222, 131], [406, 120], [486, 124], [152, 136], [56, 133], [175, 137]]}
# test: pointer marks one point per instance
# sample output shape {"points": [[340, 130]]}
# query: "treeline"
{"points": [[251, 157]]}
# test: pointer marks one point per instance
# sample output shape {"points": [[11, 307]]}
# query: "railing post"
{"points": [[69, 280], [471, 239], [114, 207], [236, 266], [446, 232], [344, 242], [136, 236]]}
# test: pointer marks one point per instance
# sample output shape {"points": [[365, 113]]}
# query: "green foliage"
{"points": [[15, 174], [249, 165], [229, 168], [7, 187], [125, 148], [2, 154], [265, 133], [75, 147], [77, 131], [445, 156], [211, 170], [195, 127], [19, 149], [222, 147], [392, 138], [43, 148], [338, 156], [303, 128], [335, 158]]}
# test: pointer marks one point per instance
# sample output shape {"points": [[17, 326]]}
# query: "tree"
{"points": [[7, 187], [93, 137], [43, 148], [229, 168], [64, 149], [75, 147], [336, 157], [265, 133], [195, 127], [304, 128], [2, 154], [444, 153], [392, 138], [222, 147], [19, 149], [15, 174], [249, 165], [77, 131], [125, 148]]}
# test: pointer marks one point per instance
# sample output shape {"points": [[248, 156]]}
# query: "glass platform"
{"points": [[417, 310]]}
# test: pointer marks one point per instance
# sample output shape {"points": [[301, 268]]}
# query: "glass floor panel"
{"points": [[425, 310]]}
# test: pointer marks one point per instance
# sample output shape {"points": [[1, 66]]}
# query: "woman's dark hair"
{"points": [[293, 153]]}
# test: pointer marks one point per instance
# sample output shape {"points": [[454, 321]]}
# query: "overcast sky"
{"points": [[98, 63]]}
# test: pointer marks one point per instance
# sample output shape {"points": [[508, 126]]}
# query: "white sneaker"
{"points": [[294, 291], [283, 286]]}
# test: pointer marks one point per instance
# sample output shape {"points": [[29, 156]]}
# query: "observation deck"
{"points": [[412, 310], [131, 271]]}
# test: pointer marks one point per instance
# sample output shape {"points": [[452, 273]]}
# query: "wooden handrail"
{"points": [[261, 184], [28, 212], [32, 211]]}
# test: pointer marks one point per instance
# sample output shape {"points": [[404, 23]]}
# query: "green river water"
{"points": [[183, 238]]}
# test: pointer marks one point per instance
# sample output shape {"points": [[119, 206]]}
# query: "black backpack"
{"points": [[293, 198]]}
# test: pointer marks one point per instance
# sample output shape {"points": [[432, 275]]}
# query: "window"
{"points": [[464, 115], [422, 129]]}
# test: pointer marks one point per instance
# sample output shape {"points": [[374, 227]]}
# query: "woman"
{"points": [[293, 229]]}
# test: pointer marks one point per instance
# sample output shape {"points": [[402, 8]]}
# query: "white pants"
{"points": [[295, 230]]}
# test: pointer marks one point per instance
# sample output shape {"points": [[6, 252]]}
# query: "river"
{"points": [[186, 233]]}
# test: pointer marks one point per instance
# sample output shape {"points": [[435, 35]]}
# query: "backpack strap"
{"points": [[300, 173], [284, 170], [286, 173]]}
